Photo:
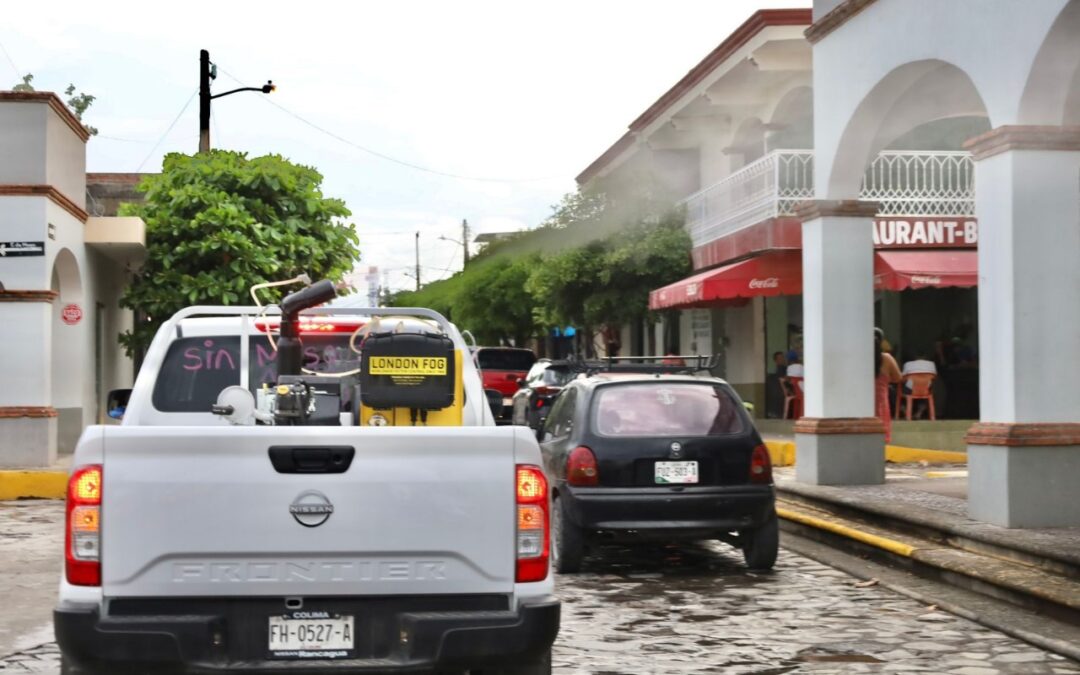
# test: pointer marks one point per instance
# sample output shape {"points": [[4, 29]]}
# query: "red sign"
{"points": [[71, 314], [925, 232]]}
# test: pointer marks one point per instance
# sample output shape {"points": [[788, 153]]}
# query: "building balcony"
{"points": [[905, 183]]}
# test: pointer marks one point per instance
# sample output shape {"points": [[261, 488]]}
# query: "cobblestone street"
{"points": [[685, 609]]}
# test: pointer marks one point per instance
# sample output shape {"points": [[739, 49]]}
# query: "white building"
{"points": [[846, 133], [61, 274]]}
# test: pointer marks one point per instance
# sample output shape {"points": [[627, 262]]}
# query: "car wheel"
{"points": [[761, 545], [567, 541], [539, 667]]}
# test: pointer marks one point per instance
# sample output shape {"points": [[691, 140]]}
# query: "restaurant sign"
{"points": [[923, 232]]}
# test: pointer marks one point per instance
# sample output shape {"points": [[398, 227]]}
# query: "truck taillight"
{"points": [[533, 524], [760, 466], [82, 545], [581, 468]]}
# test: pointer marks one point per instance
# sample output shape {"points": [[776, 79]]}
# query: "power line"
{"points": [[164, 135], [10, 60], [384, 156]]}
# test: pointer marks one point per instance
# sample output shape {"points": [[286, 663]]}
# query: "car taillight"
{"points": [[760, 465], [533, 524], [82, 546], [581, 468], [547, 391]]}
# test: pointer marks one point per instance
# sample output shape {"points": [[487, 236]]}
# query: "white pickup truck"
{"points": [[202, 541]]}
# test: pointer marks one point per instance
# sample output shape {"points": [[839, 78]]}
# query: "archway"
{"points": [[791, 122], [908, 97], [1052, 93], [68, 349]]}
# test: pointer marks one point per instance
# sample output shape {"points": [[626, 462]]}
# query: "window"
{"points": [[560, 421], [666, 409], [196, 369], [505, 359]]}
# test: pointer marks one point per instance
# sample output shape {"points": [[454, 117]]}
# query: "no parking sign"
{"points": [[71, 314]]}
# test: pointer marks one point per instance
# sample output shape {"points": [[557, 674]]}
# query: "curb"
{"points": [[33, 484], [890, 545], [782, 453]]}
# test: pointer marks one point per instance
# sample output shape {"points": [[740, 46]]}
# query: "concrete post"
{"points": [[28, 421], [840, 442], [1024, 454]]}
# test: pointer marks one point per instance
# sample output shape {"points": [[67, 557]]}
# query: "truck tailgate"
{"points": [[202, 511]]}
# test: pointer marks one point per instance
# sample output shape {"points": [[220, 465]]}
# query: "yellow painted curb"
{"points": [[901, 455], [899, 548], [33, 484], [782, 453]]}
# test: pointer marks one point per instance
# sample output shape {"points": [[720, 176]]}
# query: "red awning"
{"points": [[770, 274], [901, 270], [781, 274]]}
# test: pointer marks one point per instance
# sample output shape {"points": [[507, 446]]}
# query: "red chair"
{"points": [[793, 396], [921, 384]]}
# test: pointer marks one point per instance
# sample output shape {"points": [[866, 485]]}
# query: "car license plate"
{"points": [[311, 637], [676, 472], [508, 402]]}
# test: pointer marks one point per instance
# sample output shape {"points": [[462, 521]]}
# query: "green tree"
{"points": [[218, 223], [79, 103], [492, 301]]}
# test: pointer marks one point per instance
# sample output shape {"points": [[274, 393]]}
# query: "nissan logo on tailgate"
{"points": [[311, 508]]}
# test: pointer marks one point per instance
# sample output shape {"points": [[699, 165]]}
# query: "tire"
{"points": [[540, 667], [568, 541], [762, 545]]}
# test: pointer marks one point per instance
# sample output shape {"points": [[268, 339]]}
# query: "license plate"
{"points": [[508, 402], [308, 637], [676, 472]]}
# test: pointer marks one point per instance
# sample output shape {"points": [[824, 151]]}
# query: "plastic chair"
{"points": [[793, 396], [921, 384]]}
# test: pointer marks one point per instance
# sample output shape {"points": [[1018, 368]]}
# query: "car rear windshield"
{"points": [[505, 359], [557, 376], [196, 369], [665, 409]]}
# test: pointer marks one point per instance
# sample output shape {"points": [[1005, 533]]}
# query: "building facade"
{"points": [[869, 163], [62, 271]]}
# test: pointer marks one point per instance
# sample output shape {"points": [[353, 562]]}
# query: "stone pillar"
{"points": [[28, 422], [840, 441], [1024, 454]]}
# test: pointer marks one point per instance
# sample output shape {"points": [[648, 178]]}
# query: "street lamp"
{"points": [[208, 72], [464, 243]]}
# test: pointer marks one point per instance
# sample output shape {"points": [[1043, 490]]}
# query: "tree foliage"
{"points": [[79, 103], [592, 262], [218, 223]]}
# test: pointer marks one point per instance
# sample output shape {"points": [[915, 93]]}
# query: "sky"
{"points": [[511, 99]]}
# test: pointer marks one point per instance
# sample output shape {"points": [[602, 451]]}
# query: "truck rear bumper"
{"points": [[189, 636]]}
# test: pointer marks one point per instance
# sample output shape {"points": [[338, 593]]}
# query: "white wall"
{"points": [[22, 139], [66, 156]]}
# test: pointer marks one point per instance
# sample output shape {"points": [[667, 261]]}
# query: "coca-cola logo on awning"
{"points": [[692, 290], [770, 282], [925, 280]]}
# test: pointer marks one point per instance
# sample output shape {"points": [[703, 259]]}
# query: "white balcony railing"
{"points": [[906, 183]]}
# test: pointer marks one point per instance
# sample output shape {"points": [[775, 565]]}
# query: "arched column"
{"points": [[1024, 454], [840, 441]]}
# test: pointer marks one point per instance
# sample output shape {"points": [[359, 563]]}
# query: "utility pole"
{"points": [[417, 260], [465, 238], [204, 100], [208, 72]]}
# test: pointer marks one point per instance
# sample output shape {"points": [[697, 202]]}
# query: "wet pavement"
{"points": [[658, 609]]}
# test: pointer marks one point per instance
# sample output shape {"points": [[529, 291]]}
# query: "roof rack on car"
{"points": [[687, 364]]}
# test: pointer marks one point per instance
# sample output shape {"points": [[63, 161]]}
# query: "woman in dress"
{"points": [[886, 371]]}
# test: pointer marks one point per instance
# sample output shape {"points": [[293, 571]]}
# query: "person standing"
{"points": [[886, 372]]}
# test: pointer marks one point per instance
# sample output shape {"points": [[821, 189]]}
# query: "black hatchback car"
{"points": [[636, 457]]}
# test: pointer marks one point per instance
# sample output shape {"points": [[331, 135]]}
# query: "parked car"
{"points": [[533, 400], [637, 457], [502, 368]]}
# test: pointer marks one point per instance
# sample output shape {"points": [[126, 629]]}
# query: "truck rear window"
{"points": [[665, 409], [505, 359], [196, 369]]}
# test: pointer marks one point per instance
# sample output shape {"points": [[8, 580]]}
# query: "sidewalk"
{"points": [[917, 521]]}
